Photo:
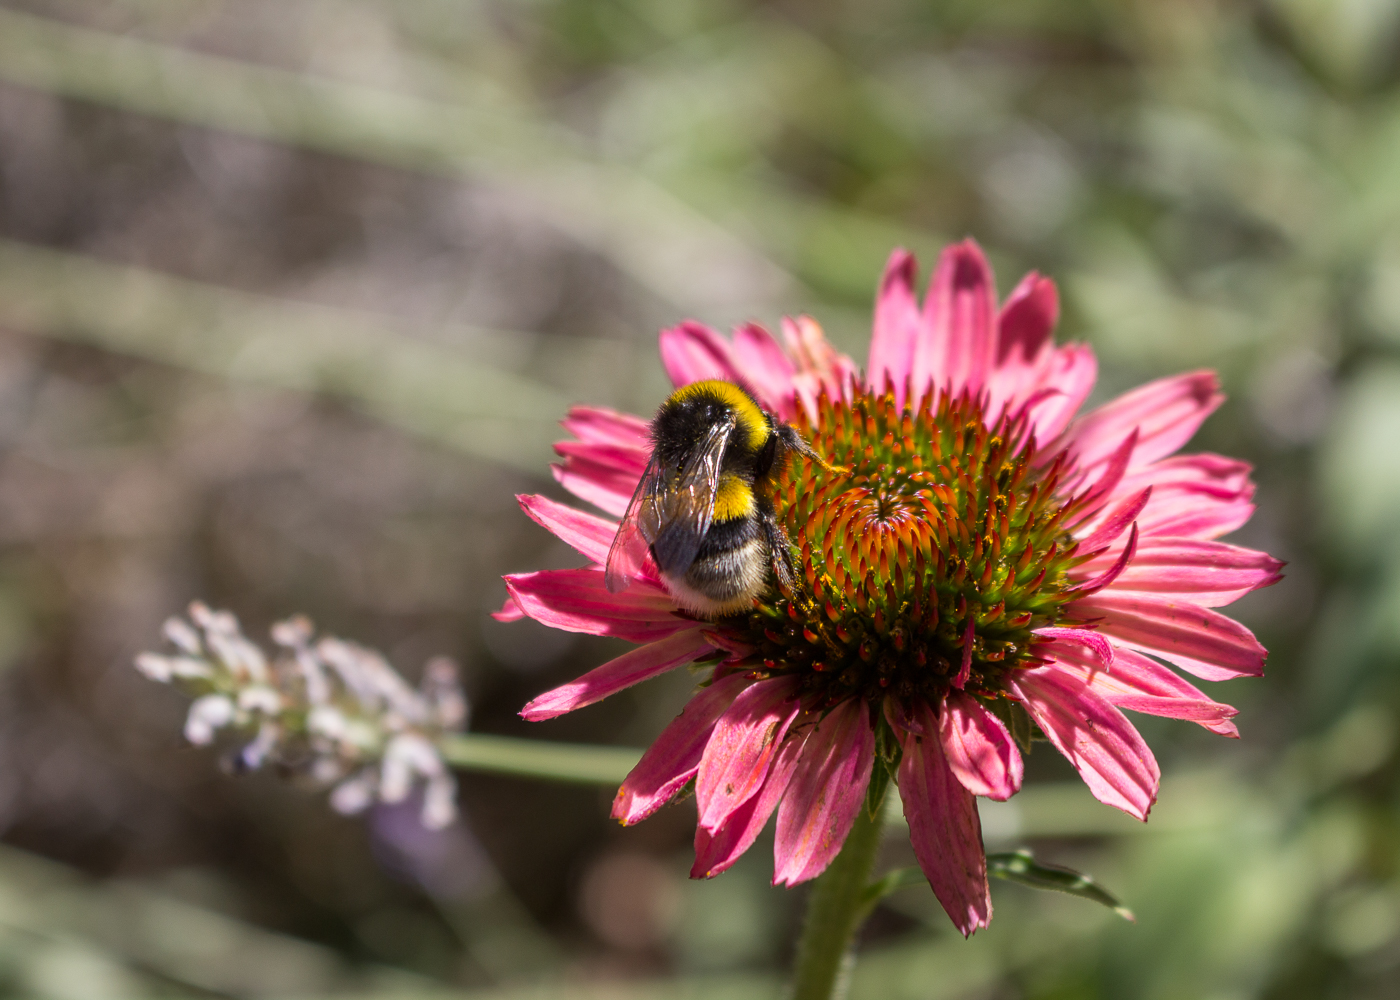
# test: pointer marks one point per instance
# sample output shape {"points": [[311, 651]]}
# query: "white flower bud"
{"points": [[439, 801], [354, 795], [178, 631], [260, 698], [155, 667], [207, 715]]}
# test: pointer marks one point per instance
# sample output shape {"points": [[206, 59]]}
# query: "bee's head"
{"points": [[692, 410]]}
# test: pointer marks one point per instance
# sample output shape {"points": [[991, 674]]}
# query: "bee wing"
{"points": [[687, 508], [641, 521]]}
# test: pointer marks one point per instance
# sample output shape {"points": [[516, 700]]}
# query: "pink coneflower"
{"points": [[985, 563]]}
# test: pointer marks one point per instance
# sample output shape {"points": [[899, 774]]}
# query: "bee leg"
{"points": [[780, 555], [794, 441]]}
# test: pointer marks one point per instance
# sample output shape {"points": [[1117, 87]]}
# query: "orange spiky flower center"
{"points": [[924, 562]]}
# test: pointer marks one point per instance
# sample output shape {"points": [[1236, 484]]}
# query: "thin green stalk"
{"points": [[835, 909], [576, 762]]}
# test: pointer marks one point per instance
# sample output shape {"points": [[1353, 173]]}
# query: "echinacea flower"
{"points": [[984, 563]]}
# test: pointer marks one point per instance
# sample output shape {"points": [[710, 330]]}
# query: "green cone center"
{"points": [[924, 563]]}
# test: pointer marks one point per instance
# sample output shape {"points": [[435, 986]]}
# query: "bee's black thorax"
{"points": [[684, 421]]}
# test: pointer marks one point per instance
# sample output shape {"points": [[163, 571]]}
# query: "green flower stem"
{"points": [[835, 909], [575, 762]]}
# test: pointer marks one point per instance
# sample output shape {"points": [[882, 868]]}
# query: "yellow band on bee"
{"points": [[733, 499], [752, 424]]}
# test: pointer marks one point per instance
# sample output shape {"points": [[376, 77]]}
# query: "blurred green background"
{"points": [[292, 293]]}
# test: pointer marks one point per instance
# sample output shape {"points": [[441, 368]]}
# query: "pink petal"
{"points": [[605, 488], [1023, 341], [692, 352], [820, 367], [1210, 574], [510, 611], [630, 668], [1198, 640], [765, 368], [576, 600], [826, 793], [716, 852], [1027, 318], [1114, 521], [604, 474], [968, 639], [1194, 513], [591, 536], [1166, 413], [945, 829], [607, 455], [1094, 736], [1112, 474], [978, 748], [1226, 477], [1069, 374], [1141, 684], [897, 326], [1055, 635], [1114, 571], [600, 425], [955, 350], [741, 748], [674, 757], [903, 718]]}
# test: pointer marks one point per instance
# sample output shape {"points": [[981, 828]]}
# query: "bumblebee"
{"points": [[704, 507]]}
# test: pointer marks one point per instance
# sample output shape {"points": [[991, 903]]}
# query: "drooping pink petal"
{"points": [[1141, 684], [591, 536], [978, 748], [826, 793], [1210, 574], [600, 425], [674, 756], [897, 326], [577, 600], [956, 347], [1165, 413], [692, 352], [903, 718], [630, 668], [1094, 736], [741, 748], [716, 851], [510, 611], [1056, 635], [820, 367], [765, 368], [1198, 640], [1064, 382], [944, 828]]}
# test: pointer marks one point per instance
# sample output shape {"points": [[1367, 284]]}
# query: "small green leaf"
{"points": [[879, 785], [892, 882], [1020, 866], [1023, 730]]}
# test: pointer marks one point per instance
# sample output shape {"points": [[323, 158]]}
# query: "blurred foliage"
{"points": [[292, 291]]}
